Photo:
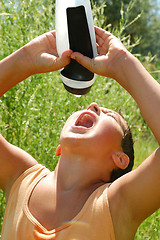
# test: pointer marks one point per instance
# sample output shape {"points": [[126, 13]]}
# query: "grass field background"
{"points": [[33, 113]]}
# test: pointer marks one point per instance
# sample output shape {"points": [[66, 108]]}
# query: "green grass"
{"points": [[33, 113], [149, 229]]}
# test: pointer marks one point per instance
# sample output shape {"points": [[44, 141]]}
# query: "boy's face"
{"points": [[93, 130]]}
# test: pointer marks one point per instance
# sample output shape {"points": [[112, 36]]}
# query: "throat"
{"points": [[85, 121], [70, 174]]}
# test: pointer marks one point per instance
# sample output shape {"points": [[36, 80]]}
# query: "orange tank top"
{"points": [[93, 222]]}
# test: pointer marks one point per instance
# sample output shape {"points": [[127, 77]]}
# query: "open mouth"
{"points": [[85, 120]]}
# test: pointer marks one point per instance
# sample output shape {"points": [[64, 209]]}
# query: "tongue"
{"points": [[85, 122]]}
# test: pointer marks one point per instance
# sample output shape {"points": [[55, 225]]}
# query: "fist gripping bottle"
{"points": [[75, 31]]}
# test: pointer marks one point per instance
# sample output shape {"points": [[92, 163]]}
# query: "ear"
{"points": [[58, 151], [120, 159]]}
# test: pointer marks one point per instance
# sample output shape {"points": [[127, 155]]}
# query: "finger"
{"points": [[53, 32], [103, 39], [106, 45], [99, 40], [50, 41], [64, 60], [83, 60], [66, 54], [98, 49], [49, 62], [96, 65], [101, 33]]}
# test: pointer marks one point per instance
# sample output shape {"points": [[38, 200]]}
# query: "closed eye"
{"points": [[110, 114], [119, 119]]}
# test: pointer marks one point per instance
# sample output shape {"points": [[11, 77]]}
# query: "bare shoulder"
{"points": [[135, 196], [14, 161]]}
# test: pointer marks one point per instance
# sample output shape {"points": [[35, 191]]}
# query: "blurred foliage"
{"points": [[33, 113], [146, 27]]}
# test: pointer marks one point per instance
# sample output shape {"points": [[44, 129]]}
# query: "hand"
{"points": [[110, 52], [38, 56], [42, 54]]}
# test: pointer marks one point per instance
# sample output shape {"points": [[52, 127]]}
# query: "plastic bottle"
{"points": [[75, 30]]}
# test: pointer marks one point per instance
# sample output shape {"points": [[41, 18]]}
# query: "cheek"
{"points": [[106, 127], [69, 122], [109, 132]]}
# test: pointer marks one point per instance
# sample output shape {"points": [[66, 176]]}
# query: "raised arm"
{"points": [[116, 62], [136, 195], [143, 88], [40, 55]]}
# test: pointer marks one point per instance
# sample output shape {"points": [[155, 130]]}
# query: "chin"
{"points": [[75, 143]]}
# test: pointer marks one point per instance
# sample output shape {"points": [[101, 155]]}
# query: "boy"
{"points": [[76, 201]]}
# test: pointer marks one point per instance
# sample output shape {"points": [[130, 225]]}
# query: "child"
{"points": [[76, 201]]}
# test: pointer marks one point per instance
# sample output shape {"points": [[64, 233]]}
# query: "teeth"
{"points": [[85, 121]]}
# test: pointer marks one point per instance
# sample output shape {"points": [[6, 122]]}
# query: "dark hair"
{"points": [[127, 146]]}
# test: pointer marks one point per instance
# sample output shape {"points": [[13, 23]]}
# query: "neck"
{"points": [[75, 172]]}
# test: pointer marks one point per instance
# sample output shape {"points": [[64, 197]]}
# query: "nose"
{"points": [[95, 108]]}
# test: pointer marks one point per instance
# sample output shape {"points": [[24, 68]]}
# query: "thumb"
{"points": [[64, 59], [98, 65], [84, 60]]}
